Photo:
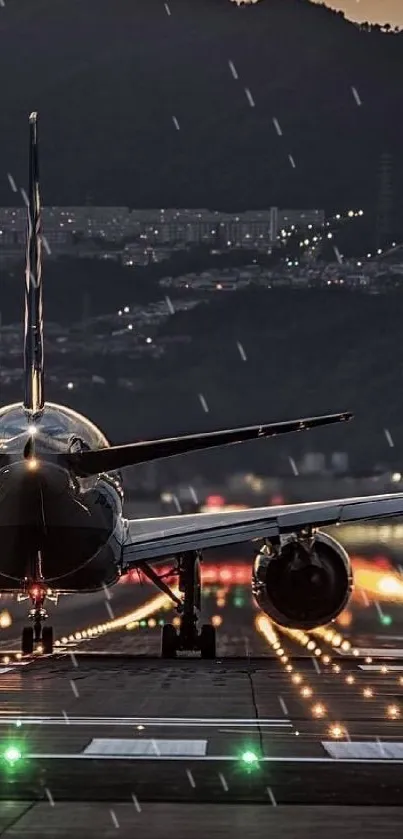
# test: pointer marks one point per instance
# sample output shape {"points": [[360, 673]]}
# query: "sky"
{"points": [[374, 11]]}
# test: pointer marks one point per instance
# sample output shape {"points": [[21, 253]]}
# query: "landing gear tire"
{"points": [[188, 638], [169, 641], [208, 641], [47, 640], [27, 640]]}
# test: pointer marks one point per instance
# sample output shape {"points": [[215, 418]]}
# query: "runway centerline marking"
{"points": [[283, 706], [287, 728]]}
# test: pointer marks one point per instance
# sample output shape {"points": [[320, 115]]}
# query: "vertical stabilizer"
{"points": [[33, 327]]}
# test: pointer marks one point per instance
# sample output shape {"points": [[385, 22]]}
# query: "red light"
{"points": [[228, 573], [215, 501], [277, 500]]}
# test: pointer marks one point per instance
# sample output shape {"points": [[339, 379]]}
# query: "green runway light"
{"points": [[143, 623], [386, 620], [239, 601], [12, 755], [249, 758]]}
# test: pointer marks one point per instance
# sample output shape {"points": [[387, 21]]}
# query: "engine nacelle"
{"points": [[303, 582]]}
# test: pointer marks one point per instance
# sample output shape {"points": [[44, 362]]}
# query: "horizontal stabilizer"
{"points": [[116, 457]]}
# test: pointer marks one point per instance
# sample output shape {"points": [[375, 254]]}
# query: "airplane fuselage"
{"points": [[72, 526]]}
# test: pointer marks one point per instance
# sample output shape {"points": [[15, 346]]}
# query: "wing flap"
{"points": [[149, 539]]}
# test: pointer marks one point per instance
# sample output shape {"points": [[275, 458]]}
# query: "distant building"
{"points": [[64, 226], [301, 218]]}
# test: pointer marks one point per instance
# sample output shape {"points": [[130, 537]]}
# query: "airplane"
{"points": [[61, 506]]}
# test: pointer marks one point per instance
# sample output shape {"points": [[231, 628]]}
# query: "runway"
{"points": [[104, 736]]}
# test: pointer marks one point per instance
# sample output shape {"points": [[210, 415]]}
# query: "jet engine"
{"points": [[304, 581]]}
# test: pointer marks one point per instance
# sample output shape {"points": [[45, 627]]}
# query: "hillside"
{"points": [[108, 82], [307, 353]]}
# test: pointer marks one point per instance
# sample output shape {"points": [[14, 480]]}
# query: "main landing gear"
{"points": [[187, 638], [36, 634]]}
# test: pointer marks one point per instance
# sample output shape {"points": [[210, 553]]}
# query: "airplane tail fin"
{"points": [[33, 327]]}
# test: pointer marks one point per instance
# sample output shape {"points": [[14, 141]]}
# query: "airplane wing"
{"points": [[156, 538]]}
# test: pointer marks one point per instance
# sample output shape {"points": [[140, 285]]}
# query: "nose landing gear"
{"points": [[36, 633]]}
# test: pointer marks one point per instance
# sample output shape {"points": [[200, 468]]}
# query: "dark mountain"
{"points": [[108, 78]]}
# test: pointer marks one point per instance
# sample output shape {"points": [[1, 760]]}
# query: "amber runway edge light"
{"points": [[318, 709]]}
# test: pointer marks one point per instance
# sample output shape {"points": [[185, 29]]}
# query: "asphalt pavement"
{"points": [[274, 735]]}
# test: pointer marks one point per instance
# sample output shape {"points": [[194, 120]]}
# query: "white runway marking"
{"points": [[283, 706], [167, 722], [389, 637], [214, 758], [381, 652], [282, 725], [149, 748], [364, 751], [376, 668]]}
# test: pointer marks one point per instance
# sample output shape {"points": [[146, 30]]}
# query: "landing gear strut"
{"points": [[188, 638], [36, 633]]}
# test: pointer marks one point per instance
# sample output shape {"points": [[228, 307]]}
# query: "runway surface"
{"points": [[283, 732]]}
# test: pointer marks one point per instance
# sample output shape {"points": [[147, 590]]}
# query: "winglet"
{"points": [[33, 327]]}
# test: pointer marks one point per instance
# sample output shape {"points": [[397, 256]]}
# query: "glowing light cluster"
{"points": [[128, 621], [235, 573], [319, 711]]}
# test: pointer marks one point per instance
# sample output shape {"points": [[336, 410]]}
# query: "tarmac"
{"points": [[104, 738]]}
